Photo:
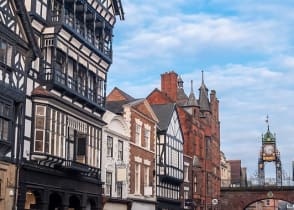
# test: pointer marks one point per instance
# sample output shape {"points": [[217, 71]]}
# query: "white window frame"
{"points": [[137, 178], [147, 137], [146, 175], [138, 134], [108, 183]]}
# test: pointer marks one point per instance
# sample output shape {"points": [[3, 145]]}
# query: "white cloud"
{"points": [[159, 36]]}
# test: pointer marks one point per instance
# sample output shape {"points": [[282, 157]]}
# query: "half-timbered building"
{"points": [[169, 157], [18, 48], [54, 59]]}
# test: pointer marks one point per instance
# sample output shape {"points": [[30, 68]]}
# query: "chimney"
{"points": [[169, 84]]}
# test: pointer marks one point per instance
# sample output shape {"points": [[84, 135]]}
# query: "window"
{"points": [[208, 148], [109, 146], [137, 178], [138, 134], [55, 132], [195, 184], [147, 138], [5, 121], [186, 173], [146, 176], [93, 146], [119, 187], [108, 184], [186, 197], [81, 147], [120, 150], [39, 128], [5, 52], [41, 8]]}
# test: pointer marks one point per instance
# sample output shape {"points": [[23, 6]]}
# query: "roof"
{"points": [[192, 101], [203, 96], [124, 94], [164, 114], [118, 9], [115, 106]]}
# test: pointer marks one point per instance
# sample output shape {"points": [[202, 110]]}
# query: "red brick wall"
{"points": [[115, 95], [139, 151], [169, 84]]}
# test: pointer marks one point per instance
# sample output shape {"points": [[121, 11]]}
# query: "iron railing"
{"points": [[73, 86], [256, 182]]}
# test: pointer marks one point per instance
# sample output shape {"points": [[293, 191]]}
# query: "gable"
{"points": [[174, 127], [118, 95], [144, 110], [10, 20], [158, 97]]}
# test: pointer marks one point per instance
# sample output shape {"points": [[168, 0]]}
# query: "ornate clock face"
{"points": [[268, 149]]}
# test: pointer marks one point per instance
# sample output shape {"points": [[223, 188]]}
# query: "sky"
{"points": [[246, 50]]}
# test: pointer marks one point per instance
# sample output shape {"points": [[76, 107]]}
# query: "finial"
{"points": [[202, 76], [267, 121], [192, 86]]}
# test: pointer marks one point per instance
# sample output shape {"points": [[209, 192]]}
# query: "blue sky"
{"points": [[246, 50]]}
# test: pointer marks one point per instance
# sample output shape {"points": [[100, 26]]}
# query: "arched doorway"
{"points": [[55, 202], [33, 200], [74, 203]]}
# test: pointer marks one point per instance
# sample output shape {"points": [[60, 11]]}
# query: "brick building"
{"points": [[225, 171], [201, 132], [238, 173], [142, 122]]}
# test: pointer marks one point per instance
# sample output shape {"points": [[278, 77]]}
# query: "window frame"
{"points": [[108, 184], [138, 131], [137, 179], [109, 151], [147, 135], [120, 150]]}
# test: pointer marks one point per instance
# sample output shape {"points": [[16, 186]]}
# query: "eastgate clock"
{"points": [[269, 149]]}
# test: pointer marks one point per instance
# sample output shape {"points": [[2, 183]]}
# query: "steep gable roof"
{"points": [[118, 95], [158, 97], [164, 114]]}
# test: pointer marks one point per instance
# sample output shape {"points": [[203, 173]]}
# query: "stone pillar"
{"points": [[45, 201]]}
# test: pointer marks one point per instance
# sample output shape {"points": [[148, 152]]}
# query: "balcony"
{"points": [[72, 88], [75, 166], [86, 25], [60, 163]]}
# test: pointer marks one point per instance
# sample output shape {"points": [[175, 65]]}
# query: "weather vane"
{"points": [[267, 121]]}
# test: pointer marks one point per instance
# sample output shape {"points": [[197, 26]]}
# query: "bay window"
{"points": [[61, 135]]}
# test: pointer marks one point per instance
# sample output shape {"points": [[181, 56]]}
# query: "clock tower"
{"points": [[269, 153]]}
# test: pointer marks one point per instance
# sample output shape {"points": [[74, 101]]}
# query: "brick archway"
{"points": [[239, 199]]}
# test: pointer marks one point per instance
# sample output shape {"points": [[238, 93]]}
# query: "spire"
{"points": [[180, 82], [267, 122], [192, 99], [181, 96], [268, 136], [203, 96]]}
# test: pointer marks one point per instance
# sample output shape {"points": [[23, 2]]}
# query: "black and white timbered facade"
{"points": [[169, 157], [18, 48], [54, 59]]}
